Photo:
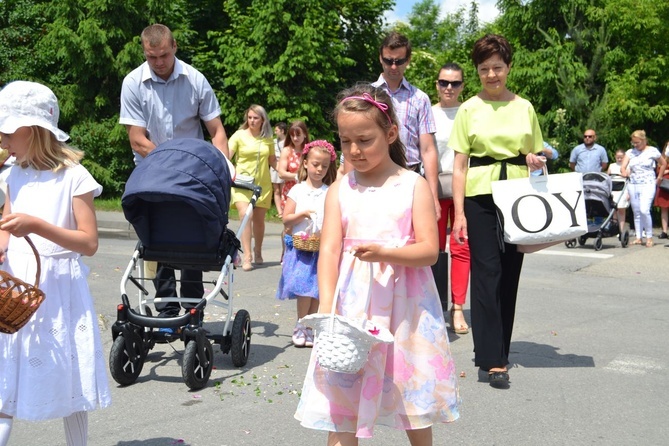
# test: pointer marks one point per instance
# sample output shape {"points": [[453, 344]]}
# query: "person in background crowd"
{"points": [[277, 183], [644, 165], [589, 156], [547, 153], [289, 163], [413, 109], [662, 197], [449, 87], [622, 197], [254, 148]]}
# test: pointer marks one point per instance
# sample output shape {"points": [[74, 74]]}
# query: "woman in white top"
{"points": [[449, 87], [640, 165]]}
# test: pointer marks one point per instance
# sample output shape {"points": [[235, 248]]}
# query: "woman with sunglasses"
{"points": [[496, 135], [449, 87]]}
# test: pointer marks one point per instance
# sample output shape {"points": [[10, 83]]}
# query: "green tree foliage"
{"points": [[599, 60], [437, 40], [21, 26], [292, 56]]}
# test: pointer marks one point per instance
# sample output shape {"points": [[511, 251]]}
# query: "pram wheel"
{"points": [[196, 369], [241, 338], [581, 240], [126, 360], [598, 242], [625, 238], [570, 243]]}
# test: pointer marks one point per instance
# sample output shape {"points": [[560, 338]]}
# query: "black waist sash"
{"points": [[477, 161]]}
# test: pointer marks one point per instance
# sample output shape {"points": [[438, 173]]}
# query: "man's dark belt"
{"points": [[477, 161]]}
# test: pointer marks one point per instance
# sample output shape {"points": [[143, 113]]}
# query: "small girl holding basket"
{"points": [[303, 218]]}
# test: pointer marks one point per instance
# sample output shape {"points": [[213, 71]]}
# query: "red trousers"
{"points": [[459, 254]]}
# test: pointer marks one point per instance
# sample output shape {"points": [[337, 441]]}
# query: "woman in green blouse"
{"points": [[495, 136]]}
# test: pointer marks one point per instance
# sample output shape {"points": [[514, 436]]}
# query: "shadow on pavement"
{"points": [[162, 441], [530, 354]]}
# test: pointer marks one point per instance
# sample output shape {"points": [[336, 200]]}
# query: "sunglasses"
{"points": [[391, 62], [588, 136], [443, 83]]}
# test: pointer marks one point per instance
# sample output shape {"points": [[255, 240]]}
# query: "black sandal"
{"points": [[499, 379]]}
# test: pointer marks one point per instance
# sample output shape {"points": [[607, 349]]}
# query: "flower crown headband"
{"points": [[368, 98], [320, 143]]}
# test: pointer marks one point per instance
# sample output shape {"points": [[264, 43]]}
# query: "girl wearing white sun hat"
{"points": [[53, 367]]}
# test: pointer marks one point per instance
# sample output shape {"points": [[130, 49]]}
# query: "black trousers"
{"points": [[166, 286], [494, 284]]}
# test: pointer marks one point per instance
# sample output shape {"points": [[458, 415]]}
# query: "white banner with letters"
{"points": [[541, 209]]}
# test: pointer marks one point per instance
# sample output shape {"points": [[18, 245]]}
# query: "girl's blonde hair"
{"points": [[331, 174], [45, 151]]}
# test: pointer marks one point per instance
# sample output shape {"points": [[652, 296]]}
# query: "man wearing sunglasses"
{"points": [[589, 156], [412, 107]]}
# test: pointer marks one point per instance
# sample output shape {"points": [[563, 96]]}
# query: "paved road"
{"points": [[589, 361]]}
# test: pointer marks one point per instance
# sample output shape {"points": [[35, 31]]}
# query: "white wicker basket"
{"points": [[343, 344]]}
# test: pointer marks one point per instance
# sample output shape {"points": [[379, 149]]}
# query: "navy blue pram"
{"points": [[177, 200], [178, 197]]}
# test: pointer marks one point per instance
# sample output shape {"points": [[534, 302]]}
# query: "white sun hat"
{"points": [[24, 104]]}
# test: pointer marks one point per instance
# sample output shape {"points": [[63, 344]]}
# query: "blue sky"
{"points": [[487, 9]]}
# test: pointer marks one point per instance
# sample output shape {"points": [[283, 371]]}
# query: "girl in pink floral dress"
{"points": [[384, 214]]}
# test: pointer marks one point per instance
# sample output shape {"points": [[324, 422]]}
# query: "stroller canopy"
{"points": [[597, 187], [178, 197]]}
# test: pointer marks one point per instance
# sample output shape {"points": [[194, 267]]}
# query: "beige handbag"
{"points": [[445, 185]]}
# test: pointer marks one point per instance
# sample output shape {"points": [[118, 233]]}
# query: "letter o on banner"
{"points": [[528, 216]]}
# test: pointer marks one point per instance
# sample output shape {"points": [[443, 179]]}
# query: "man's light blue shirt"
{"points": [[171, 108], [588, 159]]}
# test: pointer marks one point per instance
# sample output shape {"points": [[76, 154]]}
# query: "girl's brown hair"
{"points": [[296, 125], [350, 101]]}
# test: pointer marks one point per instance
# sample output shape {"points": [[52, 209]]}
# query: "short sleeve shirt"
{"points": [[414, 113], [168, 109], [443, 118], [642, 165], [499, 129], [308, 198], [588, 160]]}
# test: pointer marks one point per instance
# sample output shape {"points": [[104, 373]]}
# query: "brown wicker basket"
{"points": [[18, 299], [307, 242]]}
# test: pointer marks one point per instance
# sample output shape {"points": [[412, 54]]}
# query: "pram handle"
{"points": [[257, 190]]}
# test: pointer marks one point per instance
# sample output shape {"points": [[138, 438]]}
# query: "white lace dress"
{"points": [[54, 366]]}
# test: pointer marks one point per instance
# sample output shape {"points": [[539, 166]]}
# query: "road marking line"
{"points": [[634, 365], [575, 254]]}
